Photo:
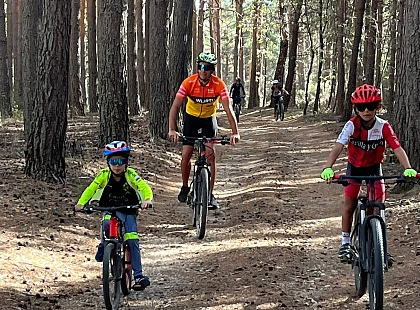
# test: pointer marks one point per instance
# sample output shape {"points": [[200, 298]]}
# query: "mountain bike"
{"points": [[368, 239], [117, 272], [199, 199], [236, 103], [278, 107]]}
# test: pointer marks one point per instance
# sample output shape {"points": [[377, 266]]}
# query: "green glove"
{"points": [[327, 174], [410, 173]]}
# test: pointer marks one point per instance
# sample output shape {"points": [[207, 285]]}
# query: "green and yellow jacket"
{"points": [[94, 191]]}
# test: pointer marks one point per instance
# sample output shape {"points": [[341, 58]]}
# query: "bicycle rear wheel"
{"points": [[202, 202], [360, 275], [112, 270], [376, 264]]}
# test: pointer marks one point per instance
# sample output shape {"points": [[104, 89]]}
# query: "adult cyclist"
{"points": [[237, 92], [203, 91]]}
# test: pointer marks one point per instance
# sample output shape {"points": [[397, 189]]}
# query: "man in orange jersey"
{"points": [[203, 91]]}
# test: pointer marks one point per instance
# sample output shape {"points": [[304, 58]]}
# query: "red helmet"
{"points": [[366, 94]]}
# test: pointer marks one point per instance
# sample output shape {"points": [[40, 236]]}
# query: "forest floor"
{"points": [[272, 245]]}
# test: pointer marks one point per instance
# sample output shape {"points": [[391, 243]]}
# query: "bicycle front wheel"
{"points": [[111, 277], [360, 274], [376, 268], [202, 202], [281, 111], [127, 273]]}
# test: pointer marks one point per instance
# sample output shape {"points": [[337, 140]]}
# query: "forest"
{"points": [[118, 59], [75, 75]]}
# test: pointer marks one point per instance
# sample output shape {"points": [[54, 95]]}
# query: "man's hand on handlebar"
{"points": [[173, 135], [234, 139]]}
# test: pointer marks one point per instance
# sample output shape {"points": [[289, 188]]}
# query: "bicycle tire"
{"points": [[276, 112], [360, 275], [281, 111], [127, 274], [237, 112], [111, 277], [202, 202], [376, 265]]}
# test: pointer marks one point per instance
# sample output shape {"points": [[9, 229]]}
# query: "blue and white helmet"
{"points": [[117, 148]]}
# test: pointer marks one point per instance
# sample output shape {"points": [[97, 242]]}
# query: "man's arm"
{"points": [[232, 121], [173, 116]]}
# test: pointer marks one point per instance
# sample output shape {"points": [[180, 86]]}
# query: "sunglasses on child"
{"points": [[372, 106], [205, 67], [118, 161]]}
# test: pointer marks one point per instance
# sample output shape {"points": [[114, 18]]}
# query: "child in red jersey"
{"points": [[367, 136]]}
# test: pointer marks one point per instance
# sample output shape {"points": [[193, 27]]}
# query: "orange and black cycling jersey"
{"points": [[202, 100]]}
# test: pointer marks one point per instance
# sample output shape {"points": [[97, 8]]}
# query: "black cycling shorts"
{"points": [[199, 127]]}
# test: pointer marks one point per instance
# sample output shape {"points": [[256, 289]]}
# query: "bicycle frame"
{"points": [[201, 199]]}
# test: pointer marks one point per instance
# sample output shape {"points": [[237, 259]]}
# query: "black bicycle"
{"points": [[117, 272], [199, 199], [278, 107], [368, 239]]}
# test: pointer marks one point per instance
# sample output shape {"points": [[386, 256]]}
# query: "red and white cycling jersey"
{"points": [[367, 147]]}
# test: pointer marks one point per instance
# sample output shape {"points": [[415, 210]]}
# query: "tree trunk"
{"points": [[253, 80], [32, 13], [133, 103], [320, 57], [200, 29], [5, 103], [341, 79], [83, 53], [113, 108], [407, 104], [17, 53], [75, 106], [92, 57], [392, 60], [294, 34], [10, 34], [45, 154], [180, 45], [140, 53], [159, 92], [371, 44], [351, 86], [147, 52]]}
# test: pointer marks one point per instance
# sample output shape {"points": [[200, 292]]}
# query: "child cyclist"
{"points": [[119, 185], [367, 136]]}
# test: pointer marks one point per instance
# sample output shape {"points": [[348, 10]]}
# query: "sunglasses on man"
{"points": [[118, 161], [205, 67], [371, 106]]}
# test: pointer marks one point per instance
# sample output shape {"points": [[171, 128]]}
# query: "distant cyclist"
{"points": [[237, 92], [203, 91], [277, 93]]}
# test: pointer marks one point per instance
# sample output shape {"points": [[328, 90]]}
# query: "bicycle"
{"points": [[199, 200], [278, 107], [368, 239], [236, 103], [117, 272]]}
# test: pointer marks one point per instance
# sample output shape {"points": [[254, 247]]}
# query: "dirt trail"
{"points": [[273, 245]]}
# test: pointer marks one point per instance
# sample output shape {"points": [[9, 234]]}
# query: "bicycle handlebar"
{"points": [[223, 140], [90, 208], [342, 179]]}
